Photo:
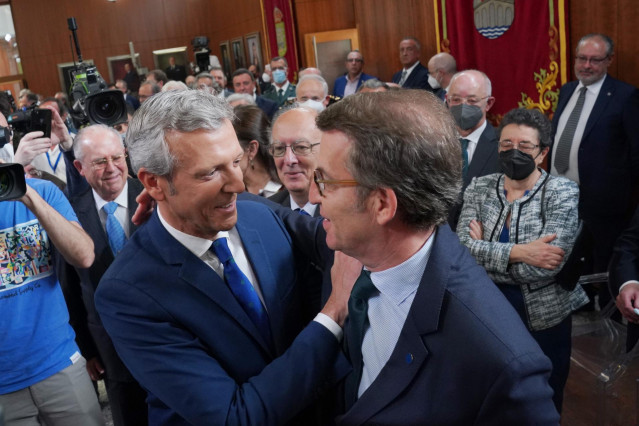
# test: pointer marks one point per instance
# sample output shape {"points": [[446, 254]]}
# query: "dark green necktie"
{"points": [[355, 329], [464, 144]]}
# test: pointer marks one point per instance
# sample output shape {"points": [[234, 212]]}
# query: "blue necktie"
{"points": [[302, 212], [114, 230], [242, 288], [354, 332]]}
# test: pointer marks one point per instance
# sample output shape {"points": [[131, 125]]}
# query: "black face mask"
{"points": [[516, 165]]}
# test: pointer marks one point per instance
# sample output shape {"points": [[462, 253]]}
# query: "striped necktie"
{"points": [[114, 230], [562, 153]]}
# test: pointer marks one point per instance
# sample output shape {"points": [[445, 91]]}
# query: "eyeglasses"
{"points": [[321, 182], [523, 146], [354, 60], [594, 61], [298, 148], [101, 163], [470, 100]]}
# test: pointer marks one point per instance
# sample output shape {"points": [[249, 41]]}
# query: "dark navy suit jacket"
{"points": [[268, 106], [185, 338], [340, 83], [463, 356], [418, 78], [485, 161], [608, 161]]}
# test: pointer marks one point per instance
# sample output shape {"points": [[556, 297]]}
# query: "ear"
{"points": [[78, 167], [326, 100], [253, 146], [384, 203], [542, 155], [156, 186], [489, 103]]}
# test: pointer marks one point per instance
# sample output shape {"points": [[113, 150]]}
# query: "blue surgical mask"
{"points": [[279, 76]]}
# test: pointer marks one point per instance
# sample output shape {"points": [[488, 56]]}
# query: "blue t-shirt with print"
{"points": [[36, 340]]}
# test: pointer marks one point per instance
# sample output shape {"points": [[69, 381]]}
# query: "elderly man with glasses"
{"points": [[469, 98]]}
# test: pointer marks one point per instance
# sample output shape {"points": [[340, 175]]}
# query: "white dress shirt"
{"points": [[308, 207], [592, 91], [388, 310], [473, 139]]}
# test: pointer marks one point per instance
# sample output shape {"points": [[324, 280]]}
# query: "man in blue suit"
{"points": [[202, 304], [431, 338], [348, 83], [414, 75], [244, 82], [596, 144]]}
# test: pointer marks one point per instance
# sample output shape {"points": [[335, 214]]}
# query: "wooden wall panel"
{"points": [[313, 16], [382, 25], [105, 29]]}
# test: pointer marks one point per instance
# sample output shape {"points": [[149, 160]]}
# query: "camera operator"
{"points": [[42, 374]]}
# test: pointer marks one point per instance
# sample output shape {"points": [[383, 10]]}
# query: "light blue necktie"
{"points": [[242, 288], [114, 230]]}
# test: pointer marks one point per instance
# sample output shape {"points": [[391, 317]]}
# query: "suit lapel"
{"points": [[199, 275], [603, 99], [90, 220], [485, 149], [411, 352]]}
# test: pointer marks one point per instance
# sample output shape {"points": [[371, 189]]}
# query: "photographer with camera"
{"points": [[42, 374]]}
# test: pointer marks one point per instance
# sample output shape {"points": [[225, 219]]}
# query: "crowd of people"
{"points": [[256, 251]]}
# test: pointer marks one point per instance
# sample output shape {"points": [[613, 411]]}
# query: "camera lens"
{"points": [[106, 107]]}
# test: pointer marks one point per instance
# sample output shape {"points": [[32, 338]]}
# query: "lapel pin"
{"points": [[409, 358], [609, 94]]}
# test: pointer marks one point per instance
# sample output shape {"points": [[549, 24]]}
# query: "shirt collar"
{"points": [[357, 77], [594, 87], [284, 86], [399, 282], [196, 245], [121, 200], [409, 70], [308, 207], [474, 136]]}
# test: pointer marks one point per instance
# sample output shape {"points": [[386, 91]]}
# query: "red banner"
{"points": [[277, 16], [520, 44]]}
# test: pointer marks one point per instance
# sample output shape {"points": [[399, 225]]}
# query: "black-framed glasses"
{"points": [[523, 146], [101, 163], [301, 148], [594, 61], [321, 182], [354, 60]]}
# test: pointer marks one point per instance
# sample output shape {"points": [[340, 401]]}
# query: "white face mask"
{"points": [[433, 82], [266, 78], [316, 105]]}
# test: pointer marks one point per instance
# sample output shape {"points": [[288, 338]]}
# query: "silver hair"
{"points": [[174, 85], [417, 43], [610, 45], [241, 97], [182, 111], [488, 85], [84, 135], [317, 78]]}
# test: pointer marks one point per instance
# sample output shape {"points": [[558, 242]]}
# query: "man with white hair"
{"points": [[441, 69], [312, 91]]}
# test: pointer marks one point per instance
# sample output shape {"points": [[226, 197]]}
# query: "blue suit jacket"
{"points": [[340, 83], [608, 153], [418, 78], [268, 106], [463, 356], [185, 338]]}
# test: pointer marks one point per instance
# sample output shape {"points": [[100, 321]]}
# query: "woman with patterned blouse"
{"points": [[521, 226]]}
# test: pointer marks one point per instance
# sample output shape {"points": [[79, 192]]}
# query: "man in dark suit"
{"points": [[175, 71], [100, 158], [431, 339], [624, 278], [469, 99], [414, 75], [348, 83], [597, 145], [244, 82], [131, 78], [122, 87], [281, 89], [202, 303], [220, 79]]}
